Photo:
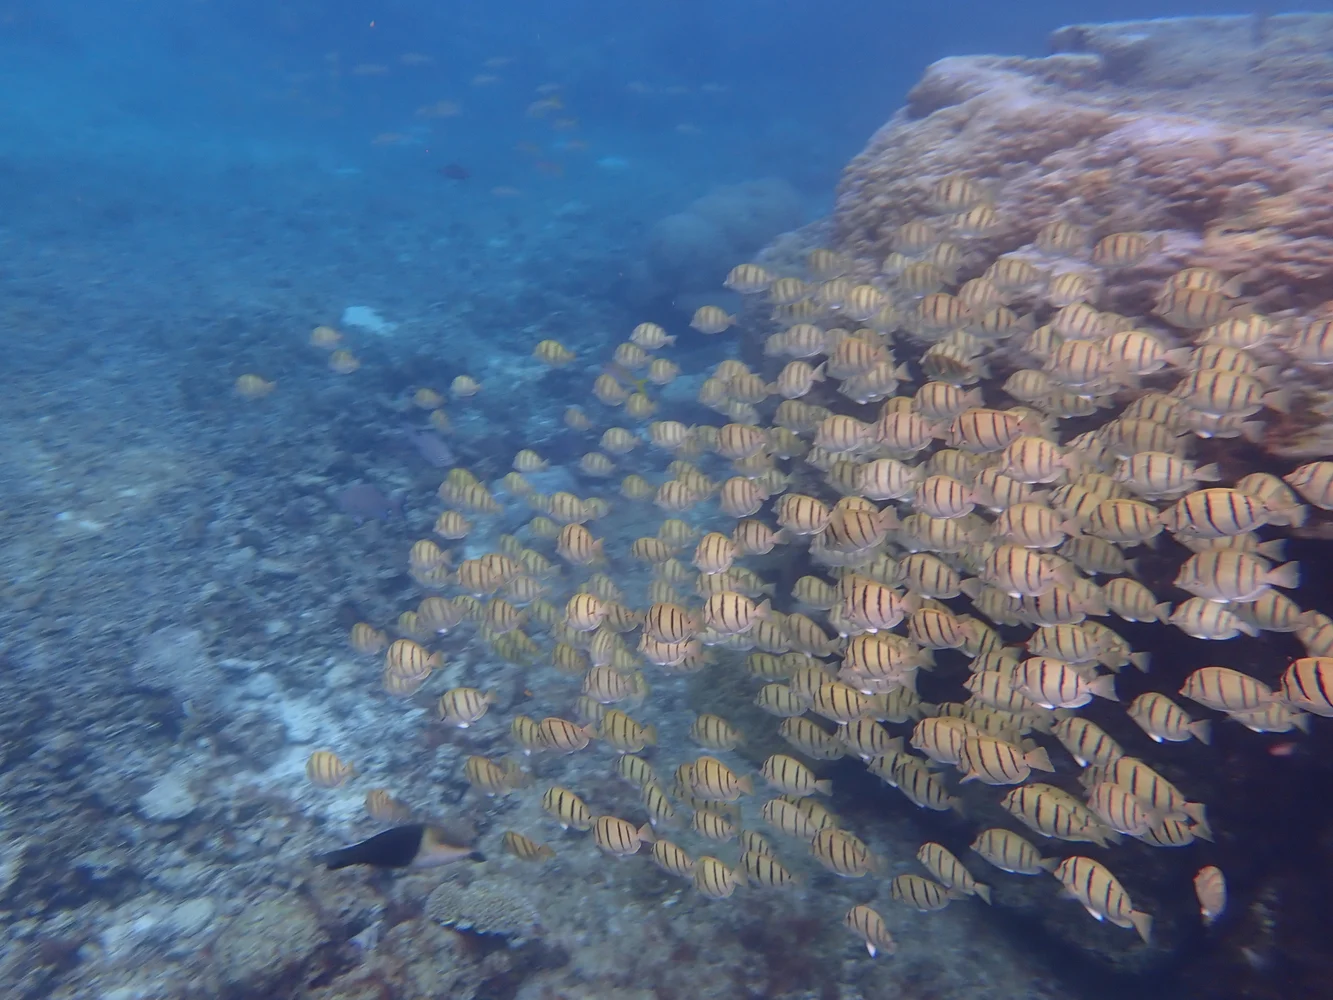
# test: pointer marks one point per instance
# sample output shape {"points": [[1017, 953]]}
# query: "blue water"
{"points": [[186, 189]]}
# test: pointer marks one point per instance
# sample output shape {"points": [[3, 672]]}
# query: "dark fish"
{"points": [[454, 171], [368, 503], [433, 448], [416, 845]]}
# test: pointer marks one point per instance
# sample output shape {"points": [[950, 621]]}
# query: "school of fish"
{"points": [[908, 491]]}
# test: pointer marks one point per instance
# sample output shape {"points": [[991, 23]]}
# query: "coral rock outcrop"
{"points": [[1215, 131]]}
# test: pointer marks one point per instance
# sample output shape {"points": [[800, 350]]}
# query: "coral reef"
{"points": [[1215, 131], [499, 906], [184, 568], [691, 252]]}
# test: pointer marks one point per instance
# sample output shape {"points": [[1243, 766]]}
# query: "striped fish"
{"points": [[779, 700], [1125, 522], [1226, 690], [1060, 237], [1053, 812], [1120, 810], [1102, 895], [809, 738], [762, 868], [787, 774], [1218, 512], [712, 781], [1031, 459], [1163, 720], [1151, 788], [713, 825], [801, 514], [904, 433], [996, 762], [671, 859], [941, 738], [1307, 685], [1125, 249], [1192, 308], [1229, 575], [940, 862], [1087, 742], [843, 853], [1053, 683], [919, 893], [625, 734], [714, 878], [732, 613], [792, 820], [923, 787], [660, 810], [566, 808], [1314, 482], [872, 605], [868, 925], [1205, 619], [525, 848], [712, 732], [1020, 572], [839, 702], [1275, 717], [928, 576], [1009, 852], [618, 837], [1219, 392], [563, 736], [1032, 525]]}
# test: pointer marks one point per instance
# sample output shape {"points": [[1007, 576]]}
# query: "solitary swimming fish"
{"points": [[415, 845]]}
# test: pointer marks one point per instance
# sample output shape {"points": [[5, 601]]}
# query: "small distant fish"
{"points": [[868, 925], [454, 171], [325, 770], [1210, 887], [382, 806], [440, 109], [365, 502], [525, 848], [251, 386], [433, 448], [414, 845]]}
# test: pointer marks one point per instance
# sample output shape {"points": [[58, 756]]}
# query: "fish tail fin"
{"points": [[333, 860], [1287, 576], [1104, 687], [1039, 759], [1143, 924], [983, 892], [1202, 730]]}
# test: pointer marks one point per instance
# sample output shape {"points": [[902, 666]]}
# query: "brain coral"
{"points": [[489, 906], [1213, 130]]}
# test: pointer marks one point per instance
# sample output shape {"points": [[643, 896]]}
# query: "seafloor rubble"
{"points": [[178, 650]]}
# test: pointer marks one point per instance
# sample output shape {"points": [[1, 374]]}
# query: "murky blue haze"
{"points": [[201, 501]]}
